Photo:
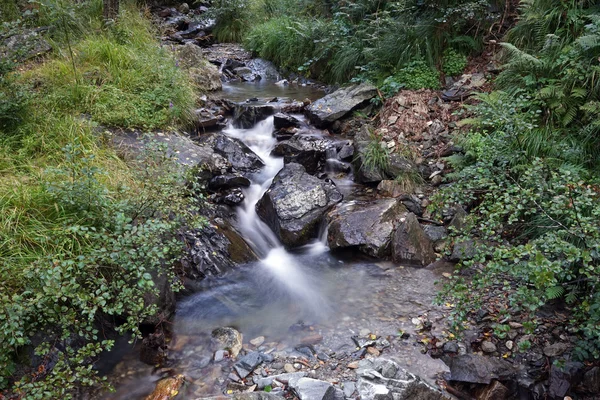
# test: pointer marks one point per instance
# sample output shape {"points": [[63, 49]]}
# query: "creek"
{"points": [[287, 296]]}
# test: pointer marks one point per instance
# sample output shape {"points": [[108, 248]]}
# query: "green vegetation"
{"points": [[83, 235], [363, 39], [530, 174]]}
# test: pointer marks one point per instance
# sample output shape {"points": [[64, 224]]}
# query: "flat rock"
{"points": [[473, 368], [312, 389], [369, 226], [295, 204], [248, 363], [556, 349], [336, 105], [283, 378]]}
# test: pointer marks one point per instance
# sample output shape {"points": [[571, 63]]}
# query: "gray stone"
{"points": [[464, 250], [435, 233], [556, 349], [23, 45], [247, 364], [295, 203], [346, 152], [229, 339], [336, 105], [488, 347], [246, 115], [349, 388], [369, 226], [312, 389], [591, 381], [451, 347], [562, 378], [283, 378], [228, 181], [238, 155], [473, 368], [282, 121], [411, 244], [308, 151]]}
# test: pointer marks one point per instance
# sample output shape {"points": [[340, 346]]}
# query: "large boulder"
{"points": [[384, 379], [205, 75], [411, 243], [295, 204], [366, 225], [338, 104], [473, 368], [237, 154], [247, 114], [309, 151]]}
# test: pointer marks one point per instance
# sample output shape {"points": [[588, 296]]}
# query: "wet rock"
{"points": [[450, 347], [167, 389], [205, 75], [248, 363], [254, 396], [311, 339], [346, 152], [390, 188], [283, 378], [473, 368], [312, 389], [410, 243], [289, 368], [310, 152], [257, 341], [349, 388], [336, 166], [591, 381], [229, 339], [246, 74], [403, 385], [494, 391], [563, 378], [246, 115], [207, 119], [237, 154], [213, 250], [556, 349], [228, 181], [366, 225], [263, 69], [336, 105], [464, 87], [295, 203], [154, 348], [282, 121]]}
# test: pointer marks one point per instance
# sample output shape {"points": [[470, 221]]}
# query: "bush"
{"points": [[232, 19], [453, 63]]}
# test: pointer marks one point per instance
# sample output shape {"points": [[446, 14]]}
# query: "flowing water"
{"points": [[287, 295]]}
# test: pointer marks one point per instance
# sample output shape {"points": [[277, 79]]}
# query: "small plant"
{"points": [[524, 345], [501, 330], [418, 75], [376, 155], [453, 63], [391, 86]]}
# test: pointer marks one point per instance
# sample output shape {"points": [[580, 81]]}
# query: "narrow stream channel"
{"points": [[285, 295]]}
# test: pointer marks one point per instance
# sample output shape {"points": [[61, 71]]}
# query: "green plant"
{"points": [[418, 75], [501, 330], [376, 155], [524, 345], [453, 63], [232, 19]]}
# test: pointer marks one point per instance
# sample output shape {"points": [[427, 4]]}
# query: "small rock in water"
{"points": [[289, 368], [220, 355], [322, 356], [228, 338], [312, 339], [248, 363]]}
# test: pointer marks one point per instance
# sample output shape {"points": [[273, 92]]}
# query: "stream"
{"points": [[286, 297]]}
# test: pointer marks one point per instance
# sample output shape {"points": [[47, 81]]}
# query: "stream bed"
{"points": [[302, 309]]}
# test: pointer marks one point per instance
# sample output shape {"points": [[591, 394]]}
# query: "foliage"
{"points": [[13, 97], [453, 63], [232, 19], [529, 178], [363, 39], [376, 155], [418, 75]]}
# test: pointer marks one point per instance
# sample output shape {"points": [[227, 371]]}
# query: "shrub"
{"points": [[453, 63], [418, 75]]}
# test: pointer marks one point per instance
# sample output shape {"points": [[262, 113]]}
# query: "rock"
{"points": [[450, 347], [282, 121], [349, 388], [509, 344], [289, 368], [312, 389], [253, 396], [184, 8], [205, 75], [207, 119], [263, 69], [473, 368], [488, 347], [311, 339], [246, 115], [494, 391], [246, 74], [237, 154], [464, 250], [228, 181], [591, 381], [23, 45], [257, 341], [402, 385], [220, 355], [410, 243], [373, 351], [556, 349], [562, 378], [336, 105], [353, 365], [154, 348], [283, 378], [246, 364], [167, 388], [229, 339], [346, 152], [390, 188], [435, 233], [310, 152], [295, 203], [464, 87], [459, 220], [366, 225]]}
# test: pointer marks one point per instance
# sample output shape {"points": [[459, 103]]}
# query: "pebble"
{"points": [[515, 325], [257, 341], [451, 347], [289, 368], [353, 365], [373, 351], [510, 344], [488, 347]]}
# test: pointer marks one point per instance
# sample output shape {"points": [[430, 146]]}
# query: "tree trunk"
{"points": [[111, 9]]}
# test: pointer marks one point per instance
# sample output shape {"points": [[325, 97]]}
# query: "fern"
{"points": [[555, 292]]}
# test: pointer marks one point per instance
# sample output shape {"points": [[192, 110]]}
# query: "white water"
{"points": [[284, 267]]}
